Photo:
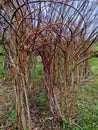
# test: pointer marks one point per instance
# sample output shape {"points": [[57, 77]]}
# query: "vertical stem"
{"points": [[27, 104], [66, 80]]}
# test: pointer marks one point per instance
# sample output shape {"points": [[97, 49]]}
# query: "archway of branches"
{"points": [[55, 31]]}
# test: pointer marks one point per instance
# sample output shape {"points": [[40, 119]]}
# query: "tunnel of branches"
{"points": [[55, 31]]}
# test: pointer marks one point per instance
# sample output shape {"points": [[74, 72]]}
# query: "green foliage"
{"points": [[38, 71], [26, 129], [12, 117], [12, 114], [64, 124], [42, 96]]}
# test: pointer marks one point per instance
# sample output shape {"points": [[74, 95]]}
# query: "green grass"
{"points": [[42, 102], [38, 71], [94, 66], [86, 115], [95, 47], [94, 61]]}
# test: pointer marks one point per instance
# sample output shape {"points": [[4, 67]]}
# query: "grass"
{"points": [[42, 102], [38, 71], [94, 61], [86, 115], [7, 107], [95, 47], [94, 66], [87, 112]]}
